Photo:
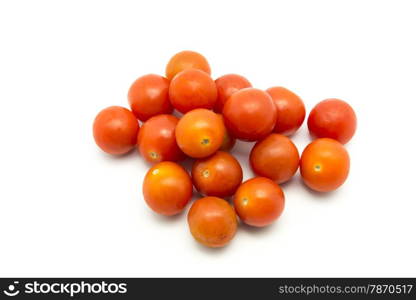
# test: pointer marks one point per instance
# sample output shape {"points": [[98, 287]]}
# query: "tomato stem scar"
{"points": [[205, 141]]}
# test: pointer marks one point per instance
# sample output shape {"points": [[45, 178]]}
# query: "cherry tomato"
{"points": [[218, 175], [115, 130], [259, 201], [157, 141], [290, 110], [200, 133], [275, 157], [212, 221], [333, 118], [192, 89], [149, 96], [228, 85], [186, 60], [249, 114], [324, 165], [167, 188], [229, 141]]}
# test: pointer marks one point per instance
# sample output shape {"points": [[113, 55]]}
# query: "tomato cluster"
{"points": [[215, 114]]}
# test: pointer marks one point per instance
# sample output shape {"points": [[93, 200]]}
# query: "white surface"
{"points": [[66, 209]]}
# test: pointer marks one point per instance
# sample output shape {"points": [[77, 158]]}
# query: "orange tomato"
{"points": [[229, 141], [115, 130], [249, 114], [186, 60], [192, 89], [200, 133], [228, 85], [259, 201], [290, 110], [212, 221], [333, 118], [167, 188], [275, 157], [157, 142], [324, 165], [149, 96], [218, 175]]}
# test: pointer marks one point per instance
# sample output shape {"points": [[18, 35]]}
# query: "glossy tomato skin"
{"points": [[228, 85], [259, 201], [191, 89], [290, 110], [218, 175], [200, 133], [333, 118], [115, 130], [185, 60], [212, 221], [167, 188], [275, 157], [324, 165], [149, 96], [249, 114], [157, 142]]}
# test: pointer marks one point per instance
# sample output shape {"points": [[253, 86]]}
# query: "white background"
{"points": [[67, 209]]}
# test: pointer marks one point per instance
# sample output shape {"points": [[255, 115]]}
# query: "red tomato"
{"points": [[212, 221], [333, 118], [228, 85], [115, 130], [275, 157], [149, 96], [324, 165], [200, 133], [290, 110], [249, 114], [192, 89], [167, 188], [186, 60], [259, 201], [218, 175], [157, 141]]}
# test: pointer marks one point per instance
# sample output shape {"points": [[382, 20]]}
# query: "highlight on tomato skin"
{"points": [[249, 114], [115, 130], [275, 157], [191, 89], [259, 201], [167, 188], [149, 96], [200, 133], [333, 118], [185, 60], [290, 110], [227, 85], [324, 165], [212, 222], [157, 142], [217, 175]]}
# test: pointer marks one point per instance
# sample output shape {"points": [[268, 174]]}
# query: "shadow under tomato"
{"points": [[133, 152], [210, 250], [187, 163], [325, 196], [259, 230], [243, 148]]}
